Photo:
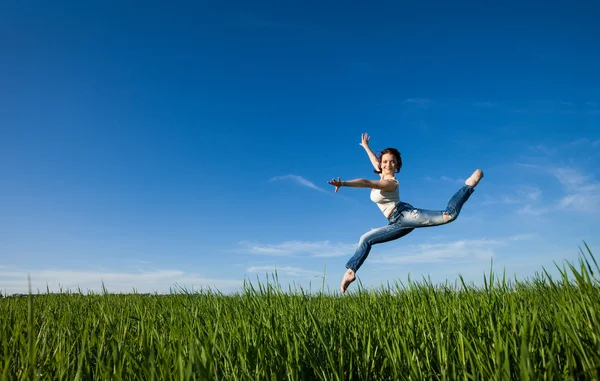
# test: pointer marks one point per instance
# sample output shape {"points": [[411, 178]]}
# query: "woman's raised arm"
{"points": [[365, 144]]}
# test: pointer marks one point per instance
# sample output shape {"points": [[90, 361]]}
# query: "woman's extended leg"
{"points": [[417, 218]]}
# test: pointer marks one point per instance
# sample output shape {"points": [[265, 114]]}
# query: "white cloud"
{"points": [[542, 148], [522, 194], [567, 147], [465, 250], [530, 193], [593, 108], [582, 192], [584, 142], [299, 180], [161, 281], [285, 270], [525, 194], [569, 177], [593, 187], [581, 202], [445, 178], [532, 210], [485, 104], [421, 102], [522, 237], [289, 248]]}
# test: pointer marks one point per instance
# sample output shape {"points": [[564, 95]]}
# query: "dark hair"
{"points": [[394, 152]]}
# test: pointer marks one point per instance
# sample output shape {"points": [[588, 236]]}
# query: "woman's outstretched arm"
{"points": [[365, 144], [384, 185]]}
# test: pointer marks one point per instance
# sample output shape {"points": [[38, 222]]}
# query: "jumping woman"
{"points": [[402, 217]]}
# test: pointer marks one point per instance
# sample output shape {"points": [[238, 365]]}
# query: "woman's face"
{"points": [[388, 164]]}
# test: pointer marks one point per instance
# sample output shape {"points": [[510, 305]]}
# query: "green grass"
{"points": [[537, 329]]}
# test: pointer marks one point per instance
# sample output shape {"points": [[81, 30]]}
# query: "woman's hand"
{"points": [[365, 140], [336, 183]]}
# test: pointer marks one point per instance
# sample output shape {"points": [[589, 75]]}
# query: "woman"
{"points": [[402, 217]]}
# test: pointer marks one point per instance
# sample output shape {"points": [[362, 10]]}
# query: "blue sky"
{"points": [[191, 143]]}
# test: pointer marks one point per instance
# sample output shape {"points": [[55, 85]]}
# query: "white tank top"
{"points": [[386, 201]]}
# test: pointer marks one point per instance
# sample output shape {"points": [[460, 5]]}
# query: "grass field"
{"points": [[535, 329]]}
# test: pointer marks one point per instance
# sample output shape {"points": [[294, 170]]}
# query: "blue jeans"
{"points": [[404, 220]]}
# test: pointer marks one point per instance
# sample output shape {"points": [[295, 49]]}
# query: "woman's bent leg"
{"points": [[374, 237]]}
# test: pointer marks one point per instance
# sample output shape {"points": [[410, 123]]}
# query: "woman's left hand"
{"points": [[364, 141], [336, 183]]}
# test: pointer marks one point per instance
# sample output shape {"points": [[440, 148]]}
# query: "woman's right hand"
{"points": [[336, 183], [365, 140]]}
